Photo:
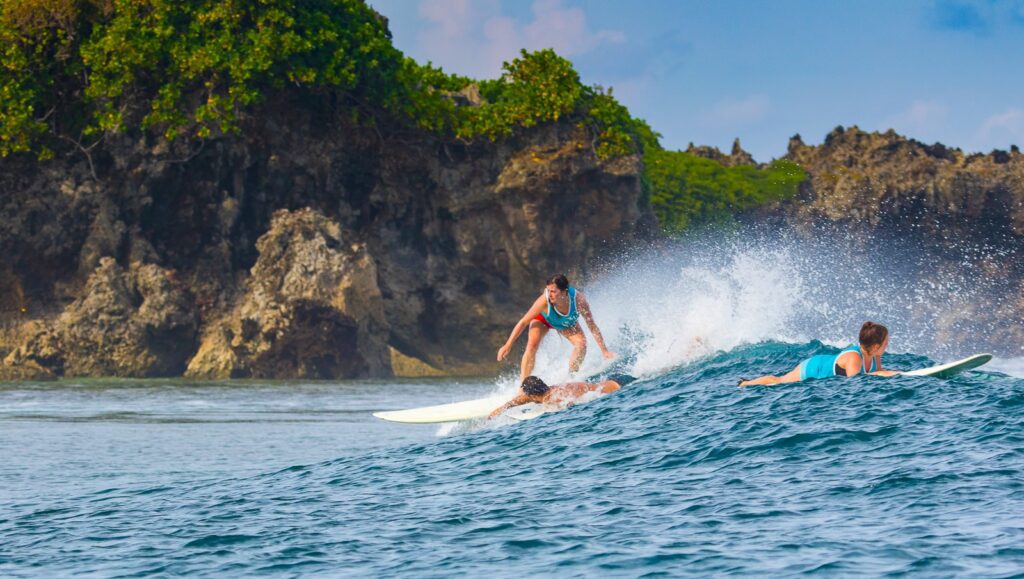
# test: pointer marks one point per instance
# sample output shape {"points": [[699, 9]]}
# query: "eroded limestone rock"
{"points": [[884, 179], [311, 309], [137, 322]]}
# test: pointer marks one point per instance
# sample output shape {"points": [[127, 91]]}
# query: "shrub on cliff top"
{"points": [[541, 87], [535, 88], [200, 63], [41, 72]]}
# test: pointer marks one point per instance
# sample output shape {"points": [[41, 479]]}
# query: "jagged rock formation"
{"points": [[429, 248], [312, 247], [133, 323], [736, 157], [310, 309], [884, 179]]}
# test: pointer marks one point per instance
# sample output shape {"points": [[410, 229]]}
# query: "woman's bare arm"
{"points": [[853, 367], [588, 316], [882, 371], [535, 309]]}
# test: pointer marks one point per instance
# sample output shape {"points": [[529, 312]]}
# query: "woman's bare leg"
{"points": [[792, 376], [537, 333], [579, 347]]}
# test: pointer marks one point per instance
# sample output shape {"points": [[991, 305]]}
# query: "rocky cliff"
{"points": [[738, 156], [306, 246], [884, 179]]}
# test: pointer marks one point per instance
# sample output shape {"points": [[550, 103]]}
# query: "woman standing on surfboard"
{"points": [[874, 339], [547, 314]]}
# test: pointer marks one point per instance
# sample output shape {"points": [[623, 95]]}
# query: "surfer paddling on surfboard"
{"points": [[536, 391], [559, 309], [852, 360]]}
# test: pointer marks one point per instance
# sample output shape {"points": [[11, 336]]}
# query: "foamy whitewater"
{"points": [[680, 473], [715, 293]]}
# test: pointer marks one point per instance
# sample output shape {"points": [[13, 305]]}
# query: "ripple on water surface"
{"points": [[681, 473]]}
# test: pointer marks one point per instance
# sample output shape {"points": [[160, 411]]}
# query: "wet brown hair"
{"points": [[872, 334], [560, 281], [534, 386]]}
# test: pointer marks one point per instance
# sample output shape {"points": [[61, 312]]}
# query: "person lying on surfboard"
{"points": [[852, 360], [533, 389], [546, 314]]}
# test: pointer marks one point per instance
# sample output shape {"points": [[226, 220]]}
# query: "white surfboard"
{"points": [[459, 411], [474, 409], [454, 412], [947, 370]]}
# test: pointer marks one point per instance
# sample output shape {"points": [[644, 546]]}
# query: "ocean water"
{"points": [[680, 473]]}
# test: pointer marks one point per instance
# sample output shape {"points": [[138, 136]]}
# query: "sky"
{"points": [[710, 71]]}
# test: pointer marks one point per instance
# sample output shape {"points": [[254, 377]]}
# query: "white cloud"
{"points": [[999, 131], [731, 112], [564, 29], [451, 17], [1010, 121], [474, 37], [921, 119]]}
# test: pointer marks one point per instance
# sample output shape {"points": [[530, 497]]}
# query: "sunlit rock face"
{"points": [[311, 308], [133, 323], [886, 180]]}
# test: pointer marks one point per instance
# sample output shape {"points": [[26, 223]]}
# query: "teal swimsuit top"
{"points": [[839, 371], [824, 365], [556, 319]]}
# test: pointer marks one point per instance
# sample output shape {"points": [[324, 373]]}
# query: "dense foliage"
{"points": [[40, 70], [687, 189], [76, 70], [536, 88], [180, 67]]}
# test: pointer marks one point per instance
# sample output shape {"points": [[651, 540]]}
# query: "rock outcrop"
{"points": [[310, 309], [738, 156], [308, 246], [886, 180], [964, 212], [133, 323]]}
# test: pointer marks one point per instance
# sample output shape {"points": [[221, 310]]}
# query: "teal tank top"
{"points": [[863, 364], [557, 320], [824, 365]]}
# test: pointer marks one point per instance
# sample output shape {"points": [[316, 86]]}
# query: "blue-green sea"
{"points": [[681, 473]]}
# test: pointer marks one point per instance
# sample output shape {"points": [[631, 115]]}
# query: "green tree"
{"points": [[686, 189], [81, 68], [41, 76], [200, 64], [535, 88]]}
